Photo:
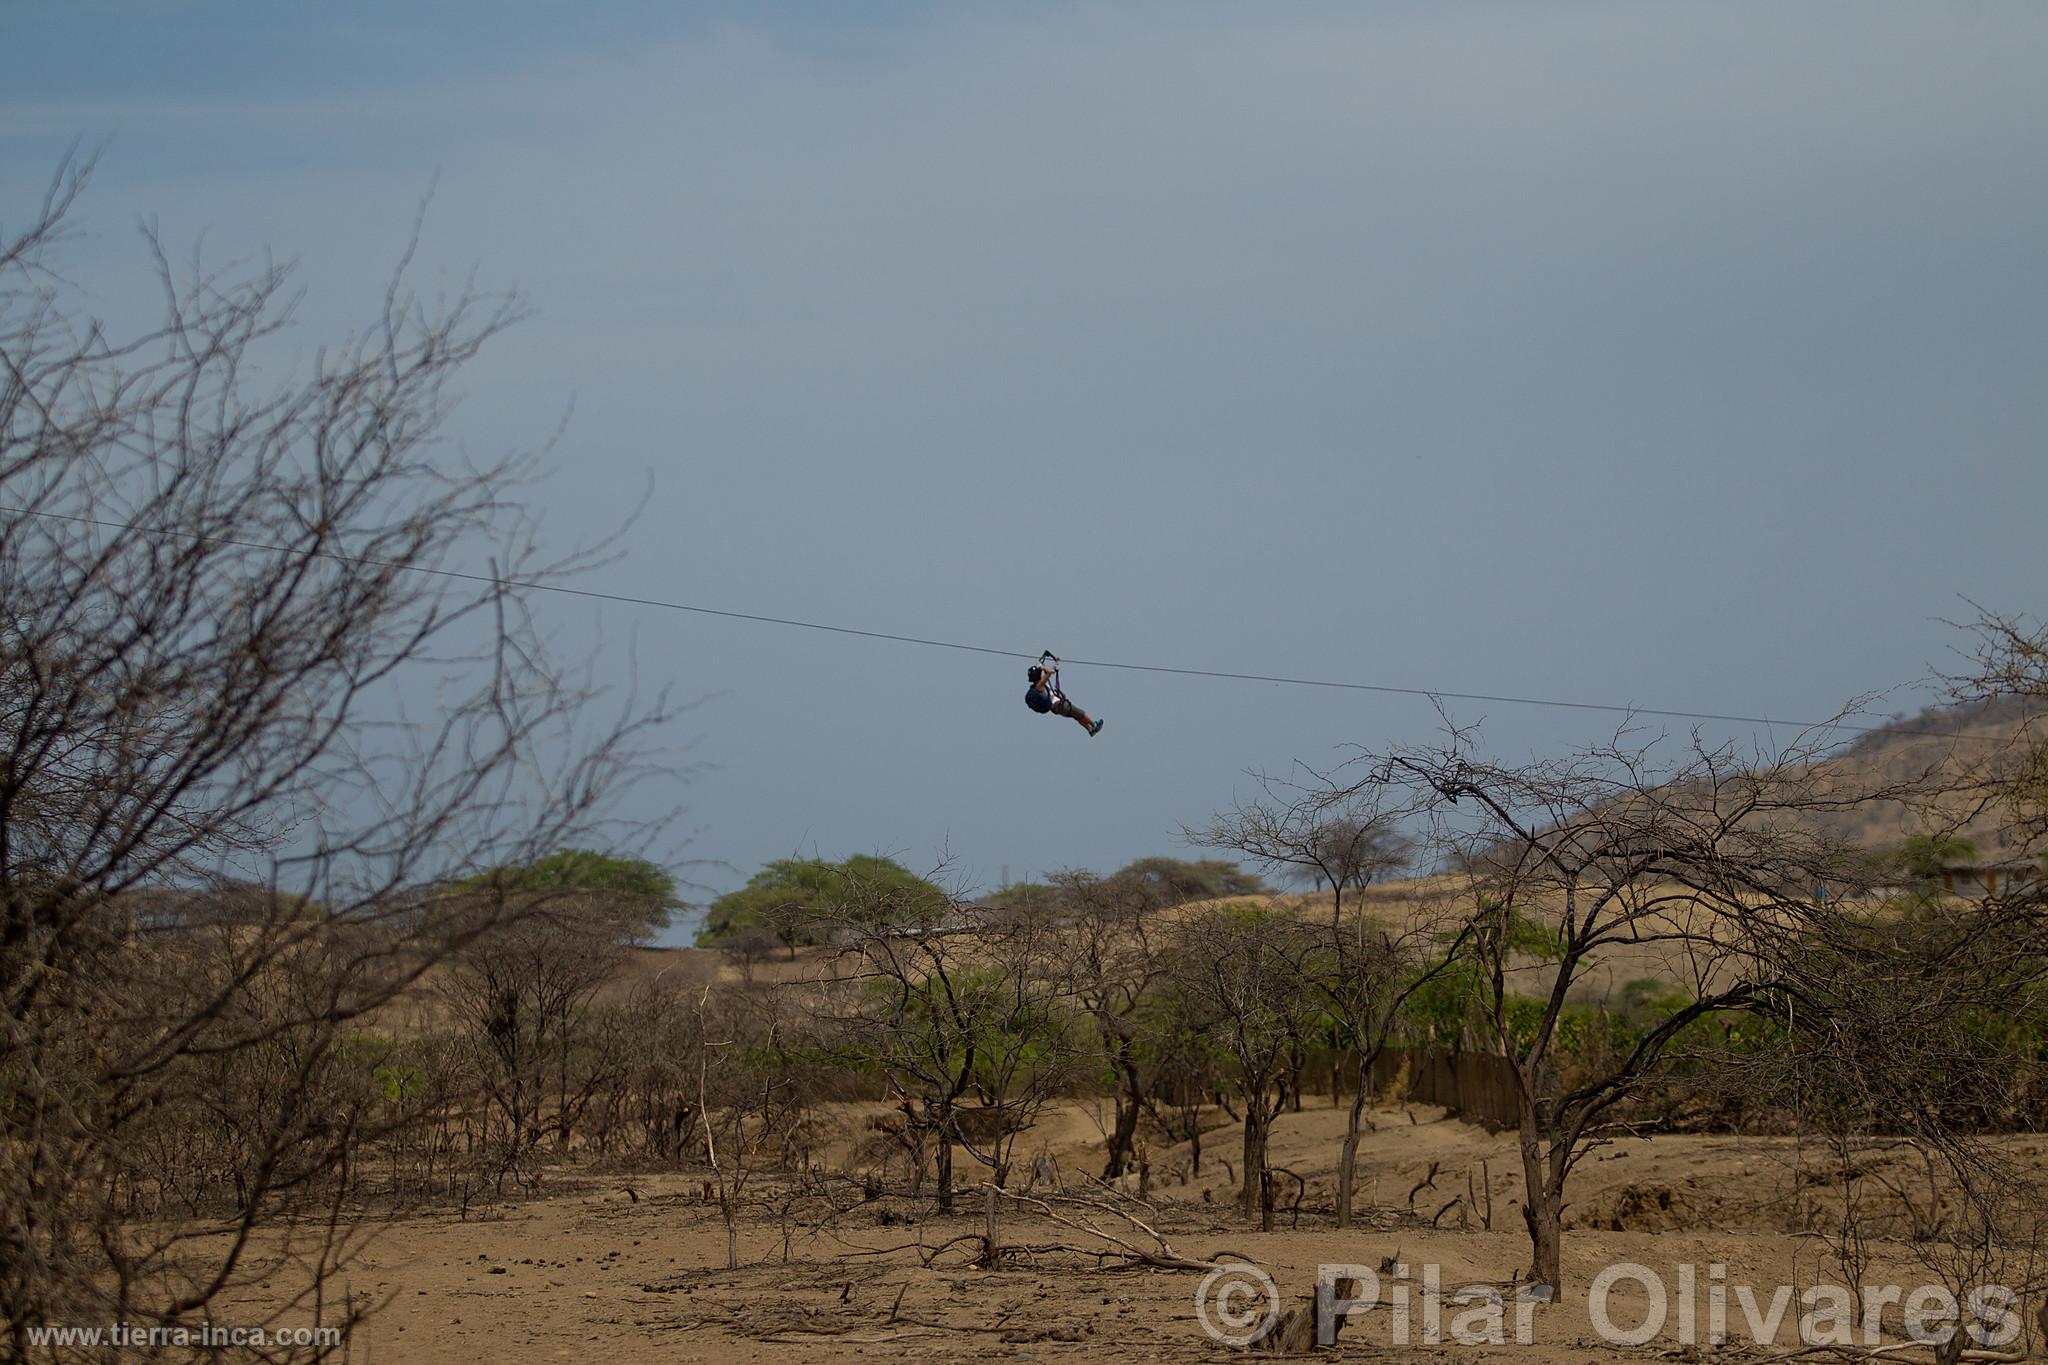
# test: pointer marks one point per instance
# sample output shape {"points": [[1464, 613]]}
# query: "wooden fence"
{"points": [[1474, 1085]]}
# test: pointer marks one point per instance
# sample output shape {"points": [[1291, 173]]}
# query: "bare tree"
{"points": [[522, 995], [751, 1106], [2009, 662], [645, 1106], [1712, 859], [1309, 834], [1113, 963], [210, 619], [1241, 973], [1343, 840], [1029, 1037], [1908, 1037], [968, 1022], [1376, 966], [1181, 1078], [1907, 1048]]}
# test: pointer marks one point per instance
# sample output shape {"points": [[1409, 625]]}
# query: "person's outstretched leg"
{"points": [[1067, 708]]}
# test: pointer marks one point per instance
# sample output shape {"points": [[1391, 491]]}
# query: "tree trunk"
{"points": [[1347, 1163], [1256, 1123], [1542, 1210], [1122, 1138], [945, 1154]]}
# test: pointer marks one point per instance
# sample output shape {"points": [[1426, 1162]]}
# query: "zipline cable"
{"points": [[527, 585]]}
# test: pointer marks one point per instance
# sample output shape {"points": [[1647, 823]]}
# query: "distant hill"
{"points": [[1963, 749], [1941, 772]]}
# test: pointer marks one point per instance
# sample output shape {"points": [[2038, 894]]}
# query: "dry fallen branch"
{"points": [[1978, 1355], [1161, 1255], [867, 1339]]}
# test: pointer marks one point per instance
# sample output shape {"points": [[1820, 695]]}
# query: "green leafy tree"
{"points": [[793, 897], [1026, 898], [1175, 881], [639, 893]]}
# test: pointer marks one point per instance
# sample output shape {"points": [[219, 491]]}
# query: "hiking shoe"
{"points": [[1095, 729]]}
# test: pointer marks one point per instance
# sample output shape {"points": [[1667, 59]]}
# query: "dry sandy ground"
{"points": [[592, 1273]]}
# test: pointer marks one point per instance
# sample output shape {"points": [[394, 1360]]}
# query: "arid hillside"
{"points": [[1954, 758]]}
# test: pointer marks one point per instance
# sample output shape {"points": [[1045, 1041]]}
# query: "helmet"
{"points": [[1034, 672]]}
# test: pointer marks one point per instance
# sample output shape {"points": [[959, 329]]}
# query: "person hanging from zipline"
{"points": [[1044, 695]]}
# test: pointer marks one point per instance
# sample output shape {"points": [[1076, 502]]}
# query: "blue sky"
{"points": [[1686, 356]]}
